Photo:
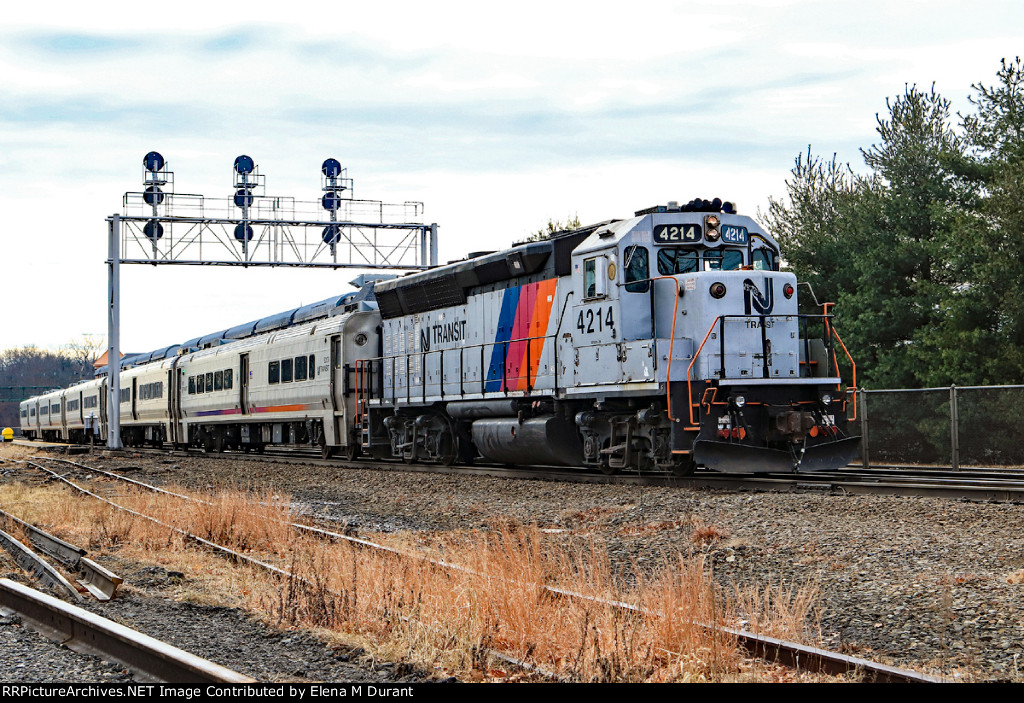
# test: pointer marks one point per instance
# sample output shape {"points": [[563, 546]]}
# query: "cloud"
{"points": [[62, 45]]}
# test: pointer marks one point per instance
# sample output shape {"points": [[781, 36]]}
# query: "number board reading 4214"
{"points": [[677, 234], [591, 320]]}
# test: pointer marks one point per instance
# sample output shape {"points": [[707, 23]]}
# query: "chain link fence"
{"points": [[960, 427]]}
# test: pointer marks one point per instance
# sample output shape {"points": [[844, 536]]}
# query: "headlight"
{"points": [[717, 290], [739, 401], [826, 398]]}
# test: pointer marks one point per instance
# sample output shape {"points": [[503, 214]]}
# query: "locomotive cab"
{"points": [[690, 308]]}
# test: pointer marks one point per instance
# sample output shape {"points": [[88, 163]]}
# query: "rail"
{"points": [[81, 630], [100, 582]]}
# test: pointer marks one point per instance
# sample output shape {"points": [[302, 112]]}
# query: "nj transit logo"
{"points": [[754, 300]]}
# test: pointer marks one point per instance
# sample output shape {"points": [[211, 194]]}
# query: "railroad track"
{"points": [[991, 485], [82, 631], [770, 649]]}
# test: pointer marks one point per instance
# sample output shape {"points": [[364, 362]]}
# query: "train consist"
{"points": [[662, 342]]}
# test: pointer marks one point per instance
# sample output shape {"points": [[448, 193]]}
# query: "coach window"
{"points": [[312, 367], [637, 269], [274, 372], [300, 368], [209, 381], [286, 370], [228, 374], [673, 260], [191, 385], [218, 381], [200, 384]]}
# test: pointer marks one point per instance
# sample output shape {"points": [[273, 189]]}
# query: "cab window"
{"points": [[763, 260], [637, 269], [723, 260], [673, 260], [590, 278]]}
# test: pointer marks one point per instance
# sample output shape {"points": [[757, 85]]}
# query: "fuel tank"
{"points": [[541, 440]]}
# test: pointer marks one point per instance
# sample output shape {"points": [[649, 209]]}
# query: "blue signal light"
{"points": [[153, 229], [331, 168], [243, 232], [244, 164], [153, 195], [331, 201], [332, 233], [153, 161], [243, 198]]}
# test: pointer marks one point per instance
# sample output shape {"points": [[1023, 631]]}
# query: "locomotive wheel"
{"points": [[352, 451], [447, 448], [683, 465]]}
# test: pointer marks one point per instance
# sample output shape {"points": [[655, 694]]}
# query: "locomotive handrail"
{"points": [[852, 389], [830, 330], [483, 378], [654, 332]]}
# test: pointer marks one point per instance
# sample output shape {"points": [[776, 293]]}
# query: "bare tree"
{"points": [[83, 350]]}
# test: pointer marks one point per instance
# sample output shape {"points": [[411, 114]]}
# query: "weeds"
{"points": [[408, 608]]}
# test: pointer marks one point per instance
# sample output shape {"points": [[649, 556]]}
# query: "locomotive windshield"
{"points": [[675, 260]]}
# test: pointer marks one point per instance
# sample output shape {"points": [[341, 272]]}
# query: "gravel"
{"points": [[922, 583]]}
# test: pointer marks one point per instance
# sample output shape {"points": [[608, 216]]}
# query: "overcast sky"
{"points": [[498, 117]]}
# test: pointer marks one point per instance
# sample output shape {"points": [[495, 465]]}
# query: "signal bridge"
{"points": [[251, 228]]}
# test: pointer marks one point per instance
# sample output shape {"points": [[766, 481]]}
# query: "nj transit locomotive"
{"points": [[656, 343]]}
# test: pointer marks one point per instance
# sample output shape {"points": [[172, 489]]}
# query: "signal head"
{"points": [[331, 168], [153, 161], [244, 164]]}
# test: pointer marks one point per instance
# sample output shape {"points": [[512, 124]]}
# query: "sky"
{"points": [[498, 117]]}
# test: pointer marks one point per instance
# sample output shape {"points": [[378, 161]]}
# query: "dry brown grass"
{"points": [[703, 533], [409, 609]]}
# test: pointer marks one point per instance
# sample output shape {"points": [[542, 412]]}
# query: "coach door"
{"points": [[103, 409], [337, 387], [173, 389], [134, 398], [243, 384]]}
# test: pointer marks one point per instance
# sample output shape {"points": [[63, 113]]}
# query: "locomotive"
{"points": [[661, 342]]}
